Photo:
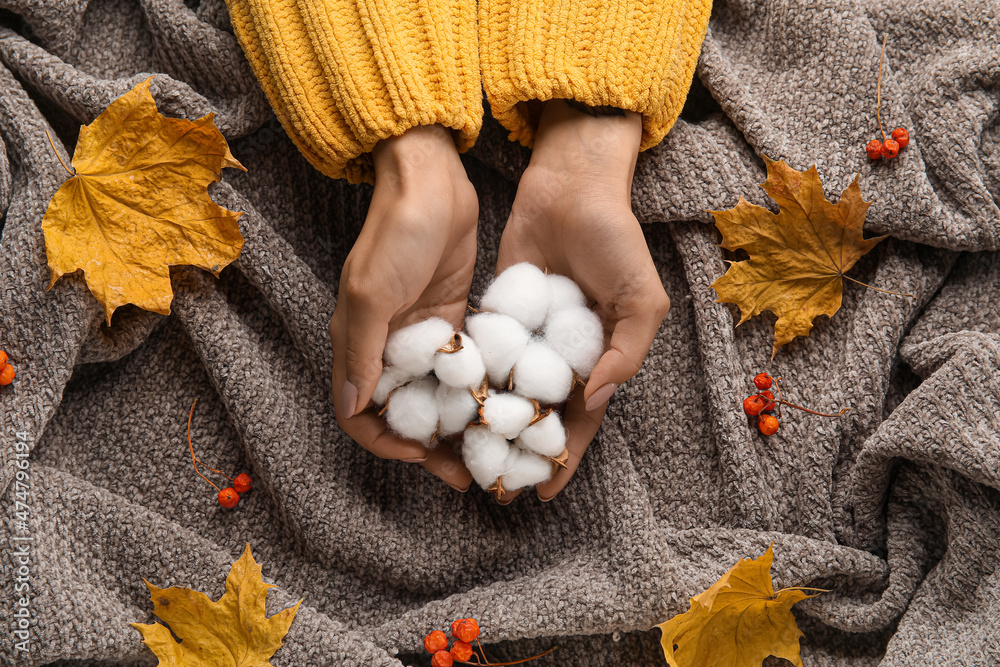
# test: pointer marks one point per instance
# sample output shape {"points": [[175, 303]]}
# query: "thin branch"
{"points": [[878, 97], [194, 459]]}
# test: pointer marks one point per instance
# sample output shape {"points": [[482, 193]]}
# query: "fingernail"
{"points": [[414, 460], [545, 500], [458, 488], [602, 394], [349, 399]]}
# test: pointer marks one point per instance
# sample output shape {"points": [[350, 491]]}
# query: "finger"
{"points": [[581, 427], [370, 432], [630, 342], [446, 466], [365, 330]]}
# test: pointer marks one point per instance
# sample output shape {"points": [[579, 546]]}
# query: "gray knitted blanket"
{"points": [[895, 507]]}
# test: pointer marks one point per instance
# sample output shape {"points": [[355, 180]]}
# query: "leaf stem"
{"points": [[58, 157], [843, 275], [194, 459], [878, 95]]}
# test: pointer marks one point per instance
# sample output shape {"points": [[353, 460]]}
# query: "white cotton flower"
{"points": [[413, 410], [542, 374], [412, 348], [391, 378], [508, 414], [484, 453], [564, 293], [577, 335], [523, 469], [522, 292], [464, 368], [501, 340], [456, 407], [546, 437]]}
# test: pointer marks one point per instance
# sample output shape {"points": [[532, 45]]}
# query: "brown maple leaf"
{"points": [[138, 204], [737, 622], [232, 632], [798, 257]]}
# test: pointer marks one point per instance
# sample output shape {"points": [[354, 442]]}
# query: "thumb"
{"points": [[630, 342]]}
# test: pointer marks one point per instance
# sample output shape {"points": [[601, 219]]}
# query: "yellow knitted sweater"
{"points": [[343, 74]]}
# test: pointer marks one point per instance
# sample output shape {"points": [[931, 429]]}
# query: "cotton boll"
{"points": [[464, 368], [542, 374], [456, 407], [564, 293], [501, 340], [577, 335], [391, 378], [508, 414], [546, 437], [413, 410], [523, 469], [522, 291], [412, 348], [484, 453]]}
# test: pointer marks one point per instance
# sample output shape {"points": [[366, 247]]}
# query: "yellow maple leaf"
{"points": [[138, 204], [737, 622], [798, 257], [232, 632]]}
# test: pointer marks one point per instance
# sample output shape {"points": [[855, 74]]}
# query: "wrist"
{"points": [[574, 138], [415, 152]]}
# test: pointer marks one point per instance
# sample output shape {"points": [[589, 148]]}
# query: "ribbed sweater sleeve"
{"points": [[343, 74], [638, 55]]}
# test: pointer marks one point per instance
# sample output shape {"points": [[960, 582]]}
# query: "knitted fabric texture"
{"points": [[342, 75], [894, 507], [638, 56]]}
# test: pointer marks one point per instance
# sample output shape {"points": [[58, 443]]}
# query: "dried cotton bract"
{"points": [[490, 382]]}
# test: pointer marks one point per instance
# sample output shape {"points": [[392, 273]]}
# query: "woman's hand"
{"points": [[573, 216], [413, 260]]}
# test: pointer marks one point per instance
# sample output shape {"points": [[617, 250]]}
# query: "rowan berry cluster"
{"points": [[465, 631], [762, 401], [229, 496], [6, 370], [765, 401], [888, 148]]}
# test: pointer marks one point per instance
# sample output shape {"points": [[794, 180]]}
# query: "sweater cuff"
{"points": [[341, 75], [638, 56]]}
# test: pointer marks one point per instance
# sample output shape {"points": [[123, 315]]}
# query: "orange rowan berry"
{"points": [[874, 149], [767, 395], [435, 641], [901, 136], [442, 659], [753, 405], [461, 651], [242, 483], [228, 498], [768, 424], [467, 630], [6, 374], [762, 381], [454, 625], [890, 149], [3, 357]]}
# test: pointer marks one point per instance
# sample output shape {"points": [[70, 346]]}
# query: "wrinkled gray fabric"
{"points": [[894, 507]]}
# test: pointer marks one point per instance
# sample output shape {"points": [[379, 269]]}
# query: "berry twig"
{"points": [[878, 93], [887, 148], [764, 401], [465, 631], [229, 496]]}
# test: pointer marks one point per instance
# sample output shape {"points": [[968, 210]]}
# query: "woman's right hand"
{"points": [[413, 260]]}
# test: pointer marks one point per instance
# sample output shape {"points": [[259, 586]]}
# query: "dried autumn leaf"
{"points": [[232, 632], [138, 204], [737, 622], [798, 257]]}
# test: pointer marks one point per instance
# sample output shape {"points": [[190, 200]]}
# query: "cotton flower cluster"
{"points": [[500, 382]]}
